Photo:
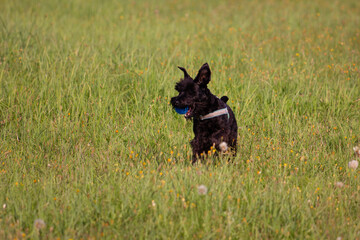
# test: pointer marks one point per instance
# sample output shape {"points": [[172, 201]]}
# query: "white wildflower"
{"points": [[339, 184], [223, 146], [202, 190], [39, 224], [357, 151], [353, 164]]}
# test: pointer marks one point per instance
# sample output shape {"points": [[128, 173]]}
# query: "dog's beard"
{"points": [[195, 110]]}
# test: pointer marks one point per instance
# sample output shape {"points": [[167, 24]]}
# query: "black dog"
{"points": [[214, 121]]}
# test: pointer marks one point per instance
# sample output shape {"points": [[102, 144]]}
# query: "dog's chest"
{"points": [[208, 127]]}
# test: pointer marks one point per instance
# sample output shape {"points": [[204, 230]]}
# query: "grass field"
{"points": [[91, 149]]}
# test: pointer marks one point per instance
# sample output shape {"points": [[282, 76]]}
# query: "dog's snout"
{"points": [[174, 101]]}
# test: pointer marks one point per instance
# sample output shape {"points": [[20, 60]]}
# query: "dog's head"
{"points": [[193, 93]]}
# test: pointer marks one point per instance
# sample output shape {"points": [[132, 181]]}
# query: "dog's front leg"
{"points": [[197, 149]]}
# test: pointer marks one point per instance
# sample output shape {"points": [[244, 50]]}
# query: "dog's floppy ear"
{"points": [[186, 75], [204, 75]]}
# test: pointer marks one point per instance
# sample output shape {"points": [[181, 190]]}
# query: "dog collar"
{"points": [[216, 113]]}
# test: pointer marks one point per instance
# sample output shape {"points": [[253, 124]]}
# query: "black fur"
{"points": [[224, 99], [193, 93]]}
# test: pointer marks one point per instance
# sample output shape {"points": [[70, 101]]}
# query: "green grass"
{"points": [[90, 144]]}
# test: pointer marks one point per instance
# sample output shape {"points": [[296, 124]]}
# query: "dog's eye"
{"points": [[179, 88]]}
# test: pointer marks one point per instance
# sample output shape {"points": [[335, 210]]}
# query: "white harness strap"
{"points": [[216, 114]]}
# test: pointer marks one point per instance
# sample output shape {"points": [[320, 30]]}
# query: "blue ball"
{"points": [[181, 110]]}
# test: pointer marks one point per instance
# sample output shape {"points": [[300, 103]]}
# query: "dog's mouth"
{"points": [[188, 114]]}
